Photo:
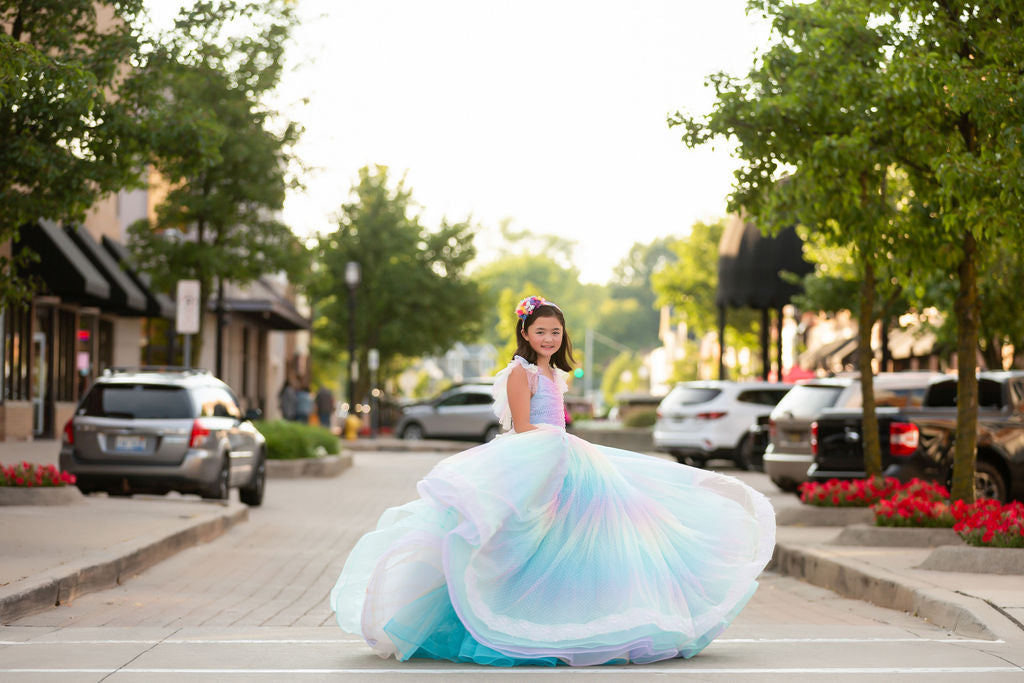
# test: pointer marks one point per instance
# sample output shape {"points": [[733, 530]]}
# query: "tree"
{"points": [[817, 148], [69, 128], [221, 151], [415, 297], [955, 67], [631, 316]]}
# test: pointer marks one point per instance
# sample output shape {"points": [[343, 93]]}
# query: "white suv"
{"points": [[699, 421]]}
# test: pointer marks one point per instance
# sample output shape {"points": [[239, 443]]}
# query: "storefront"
{"points": [[87, 316]]}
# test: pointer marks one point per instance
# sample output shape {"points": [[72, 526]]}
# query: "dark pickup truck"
{"points": [[918, 442]]}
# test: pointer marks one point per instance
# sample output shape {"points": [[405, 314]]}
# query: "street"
{"points": [[252, 605]]}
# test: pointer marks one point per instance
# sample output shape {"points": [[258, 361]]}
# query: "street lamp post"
{"points": [[352, 278]]}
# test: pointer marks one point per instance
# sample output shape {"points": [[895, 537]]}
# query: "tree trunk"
{"points": [[872, 445], [966, 309]]}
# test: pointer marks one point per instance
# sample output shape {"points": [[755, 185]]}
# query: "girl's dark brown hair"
{"points": [[562, 358]]}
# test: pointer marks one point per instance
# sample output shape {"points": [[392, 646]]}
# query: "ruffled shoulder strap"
{"points": [[561, 380], [500, 388]]}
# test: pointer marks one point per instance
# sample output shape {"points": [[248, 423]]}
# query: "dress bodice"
{"points": [[546, 405]]}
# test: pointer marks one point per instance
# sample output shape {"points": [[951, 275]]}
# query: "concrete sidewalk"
{"points": [[53, 553]]}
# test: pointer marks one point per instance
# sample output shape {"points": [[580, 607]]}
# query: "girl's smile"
{"points": [[544, 336]]}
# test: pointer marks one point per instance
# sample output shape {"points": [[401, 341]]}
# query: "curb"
{"points": [[955, 612], [327, 466], [361, 445], [108, 568]]}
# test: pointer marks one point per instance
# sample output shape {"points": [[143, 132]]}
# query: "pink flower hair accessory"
{"points": [[528, 305]]}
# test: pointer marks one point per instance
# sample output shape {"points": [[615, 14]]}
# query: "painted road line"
{"points": [[641, 670], [329, 641]]}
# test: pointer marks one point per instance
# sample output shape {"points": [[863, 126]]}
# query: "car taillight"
{"points": [[199, 434], [69, 433], [710, 416], [903, 438], [773, 431], [814, 438]]}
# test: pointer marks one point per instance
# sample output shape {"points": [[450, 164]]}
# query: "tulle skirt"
{"points": [[542, 548]]}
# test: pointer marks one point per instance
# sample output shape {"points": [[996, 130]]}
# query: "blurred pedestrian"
{"points": [[324, 406], [286, 398], [303, 405]]}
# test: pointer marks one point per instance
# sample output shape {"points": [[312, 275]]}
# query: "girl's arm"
{"points": [[519, 399]]}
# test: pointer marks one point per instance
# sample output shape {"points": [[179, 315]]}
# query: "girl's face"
{"points": [[544, 337]]}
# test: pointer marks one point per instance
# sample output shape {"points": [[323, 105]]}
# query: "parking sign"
{"points": [[187, 319]]}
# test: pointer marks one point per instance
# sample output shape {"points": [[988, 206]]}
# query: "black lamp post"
{"points": [[352, 277]]}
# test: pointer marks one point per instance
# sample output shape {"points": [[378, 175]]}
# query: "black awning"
{"points": [[158, 305], [264, 304], [62, 266], [750, 264], [125, 297]]}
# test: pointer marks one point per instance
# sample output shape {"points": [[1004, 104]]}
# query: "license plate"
{"points": [[130, 443], [794, 437]]}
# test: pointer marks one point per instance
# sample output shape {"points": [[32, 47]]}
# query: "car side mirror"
{"points": [[253, 414]]}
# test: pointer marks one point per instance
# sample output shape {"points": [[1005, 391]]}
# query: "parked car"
{"points": [[153, 431], [698, 421], [789, 455], [918, 442], [463, 412]]}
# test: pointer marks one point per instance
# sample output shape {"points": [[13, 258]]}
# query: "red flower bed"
{"points": [[848, 493], [26, 474], [990, 523]]}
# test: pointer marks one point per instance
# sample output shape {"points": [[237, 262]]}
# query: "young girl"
{"points": [[542, 548]]}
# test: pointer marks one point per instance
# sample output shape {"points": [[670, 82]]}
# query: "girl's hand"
{"points": [[518, 389]]}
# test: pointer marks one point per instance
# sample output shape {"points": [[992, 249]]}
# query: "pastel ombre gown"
{"points": [[542, 548]]}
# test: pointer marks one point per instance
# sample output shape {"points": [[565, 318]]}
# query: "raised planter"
{"points": [[897, 536], [39, 495], [969, 558], [813, 515], [613, 435], [327, 466]]}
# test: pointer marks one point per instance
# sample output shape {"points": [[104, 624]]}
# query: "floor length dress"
{"points": [[542, 548]]}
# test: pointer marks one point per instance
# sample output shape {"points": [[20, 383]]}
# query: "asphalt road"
{"points": [[252, 605]]}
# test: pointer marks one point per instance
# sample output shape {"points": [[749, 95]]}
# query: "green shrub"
{"points": [[641, 418], [291, 440]]}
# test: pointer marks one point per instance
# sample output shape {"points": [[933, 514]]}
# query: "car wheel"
{"points": [[220, 488], [413, 432], [252, 494], [988, 482], [491, 432], [745, 454]]}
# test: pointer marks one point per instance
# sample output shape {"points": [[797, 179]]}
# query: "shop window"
{"points": [[64, 356], [17, 355]]}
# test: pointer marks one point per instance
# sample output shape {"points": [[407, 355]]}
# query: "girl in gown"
{"points": [[541, 548]]}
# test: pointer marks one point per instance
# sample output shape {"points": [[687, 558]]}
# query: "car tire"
{"points": [[745, 454], [413, 432], [491, 432], [219, 489], [252, 495], [988, 482]]}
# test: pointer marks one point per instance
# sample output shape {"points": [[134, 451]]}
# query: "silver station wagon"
{"points": [[156, 430]]}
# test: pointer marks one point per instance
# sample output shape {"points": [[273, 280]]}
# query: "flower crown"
{"points": [[528, 305]]}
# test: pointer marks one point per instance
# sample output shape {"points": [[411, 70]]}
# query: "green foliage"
{"points": [[622, 376], [222, 152], [641, 418], [68, 123], [414, 297], [292, 440]]}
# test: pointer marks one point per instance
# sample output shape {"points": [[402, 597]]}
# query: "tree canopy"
{"points": [[68, 124], [415, 297]]}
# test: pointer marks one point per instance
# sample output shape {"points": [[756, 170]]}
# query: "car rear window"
{"points": [[943, 394], [807, 400], [688, 396], [137, 401]]}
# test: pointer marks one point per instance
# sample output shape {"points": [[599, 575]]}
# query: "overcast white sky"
{"points": [[548, 112]]}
